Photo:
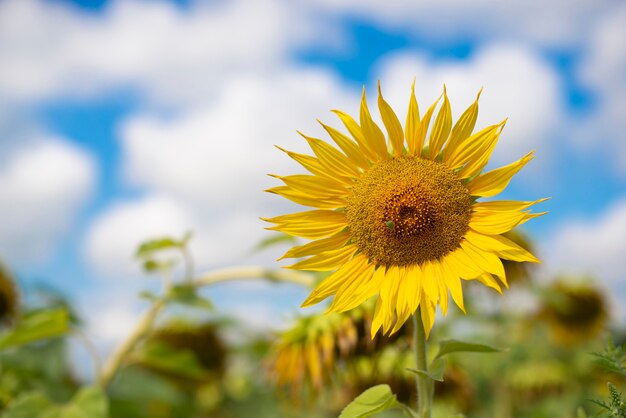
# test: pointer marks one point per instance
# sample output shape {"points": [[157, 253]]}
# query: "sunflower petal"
{"points": [[441, 128], [463, 265], [462, 128], [423, 127], [372, 133], [331, 158], [489, 281], [332, 283], [326, 261], [453, 282], [500, 246], [308, 199], [316, 247], [357, 133], [412, 123], [474, 147], [427, 311], [321, 186], [353, 293], [392, 124], [310, 216], [493, 182], [487, 261], [500, 206], [496, 223], [348, 146]]}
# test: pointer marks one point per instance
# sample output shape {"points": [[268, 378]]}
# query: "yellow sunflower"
{"points": [[398, 216]]}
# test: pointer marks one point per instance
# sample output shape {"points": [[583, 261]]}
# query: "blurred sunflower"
{"points": [[576, 312], [400, 218], [306, 355], [8, 297]]}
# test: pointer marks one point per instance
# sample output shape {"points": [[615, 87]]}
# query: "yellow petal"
{"points": [[492, 223], [314, 166], [428, 310], [372, 133], [462, 129], [487, 261], [480, 160], [332, 283], [423, 128], [377, 320], [441, 128], [392, 124], [354, 292], [313, 364], [489, 281], [412, 123], [310, 217], [316, 185], [308, 199], [493, 182], [389, 294], [500, 206], [312, 224], [474, 147], [331, 158], [453, 282], [357, 134], [463, 265], [348, 146], [501, 246], [326, 261], [430, 280], [315, 247]]}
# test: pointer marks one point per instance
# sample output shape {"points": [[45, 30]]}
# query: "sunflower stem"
{"points": [[424, 383]]}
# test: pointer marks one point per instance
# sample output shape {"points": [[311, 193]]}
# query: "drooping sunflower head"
{"points": [[576, 311], [8, 297], [398, 214]]}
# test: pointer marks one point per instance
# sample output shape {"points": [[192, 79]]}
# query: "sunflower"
{"points": [[401, 218]]}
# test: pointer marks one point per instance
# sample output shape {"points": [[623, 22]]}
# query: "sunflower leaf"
{"points": [[436, 370], [36, 326], [374, 400], [455, 346]]}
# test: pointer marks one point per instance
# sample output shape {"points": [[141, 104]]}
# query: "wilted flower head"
{"points": [[9, 299]]}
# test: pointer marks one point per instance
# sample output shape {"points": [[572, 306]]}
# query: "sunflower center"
{"points": [[408, 210]]}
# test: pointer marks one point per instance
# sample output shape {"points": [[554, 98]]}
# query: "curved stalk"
{"points": [[114, 362]]}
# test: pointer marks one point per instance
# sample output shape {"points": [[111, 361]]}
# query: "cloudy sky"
{"points": [[125, 120]]}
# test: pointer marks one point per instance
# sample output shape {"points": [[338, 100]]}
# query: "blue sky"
{"points": [[120, 121]]}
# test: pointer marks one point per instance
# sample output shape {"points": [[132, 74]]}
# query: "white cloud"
{"points": [[603, 70], [43, 184], [553, 23], [592, 246], [48, 49], [218, 155], [113, 237], [517, 84], [209, 168]]}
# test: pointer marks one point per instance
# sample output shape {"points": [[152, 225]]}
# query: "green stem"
{"points": [[424, 383], [115, 361]]}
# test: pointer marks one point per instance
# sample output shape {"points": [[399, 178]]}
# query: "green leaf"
{"points": [[89, 402], [162, 357], [149, 247], [28, 405], [580, 413], [436, 370], [374, 400], [36, 326], [188, 295], [149, 296], [455, 346]]}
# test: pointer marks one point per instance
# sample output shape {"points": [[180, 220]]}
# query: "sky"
{"points": [[122, 121]]}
